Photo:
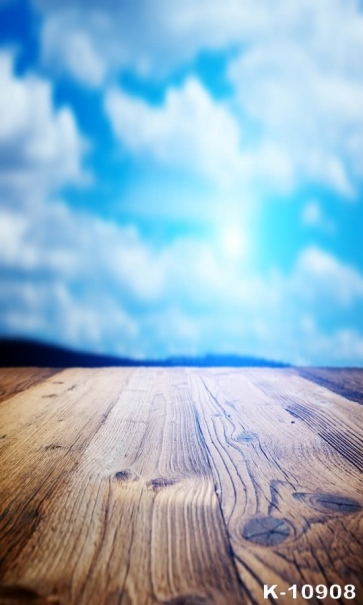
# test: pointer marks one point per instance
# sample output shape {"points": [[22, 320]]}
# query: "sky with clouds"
{"points": [[183, 178]]}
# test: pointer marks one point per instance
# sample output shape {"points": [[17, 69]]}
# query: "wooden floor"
{"points": [[180, 486]]}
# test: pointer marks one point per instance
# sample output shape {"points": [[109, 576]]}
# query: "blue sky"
{"points": [[183, 178]]}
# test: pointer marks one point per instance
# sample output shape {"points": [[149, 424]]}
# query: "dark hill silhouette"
{"points": [[17, 353]]}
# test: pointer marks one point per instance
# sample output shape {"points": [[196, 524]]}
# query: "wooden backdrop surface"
{"points": [[180, 486]]}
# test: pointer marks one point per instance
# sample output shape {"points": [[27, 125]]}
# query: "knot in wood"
{"points": [[266, 531], [160, 483], [245, 437], [335, 503], [125, 475], [329, 503]]}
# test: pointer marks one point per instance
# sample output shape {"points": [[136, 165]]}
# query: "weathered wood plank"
{"points": [[347, 382], [293, 505], [135, 517], [47, 429], [16, 380], [334, 418], [190, 560]]}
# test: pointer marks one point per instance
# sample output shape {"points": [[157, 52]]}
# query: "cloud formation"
{"points": [[151, 37], [291, 121], [40, 147], [99, 286], [189, 131], [296, 75]]}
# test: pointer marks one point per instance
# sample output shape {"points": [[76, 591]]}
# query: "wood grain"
{"points": [[46, 431], [136, 517], [177, 487], [16, 380], [347, 382], [282, 488], [337, 420]]}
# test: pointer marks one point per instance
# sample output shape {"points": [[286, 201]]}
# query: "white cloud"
{"points": [[342, 347], [305, 92], [320, 273], [12, 229], [295, 118], [73, 50], [76, 279], [193, 133], [40, 147], [297, 80], [150, 36], [189, 130]]}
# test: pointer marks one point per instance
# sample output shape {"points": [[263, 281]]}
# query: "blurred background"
{"points": [[183, 178]]}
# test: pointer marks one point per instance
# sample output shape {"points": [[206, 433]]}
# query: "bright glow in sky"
{"points": [[233, 243], [183, 178]]}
